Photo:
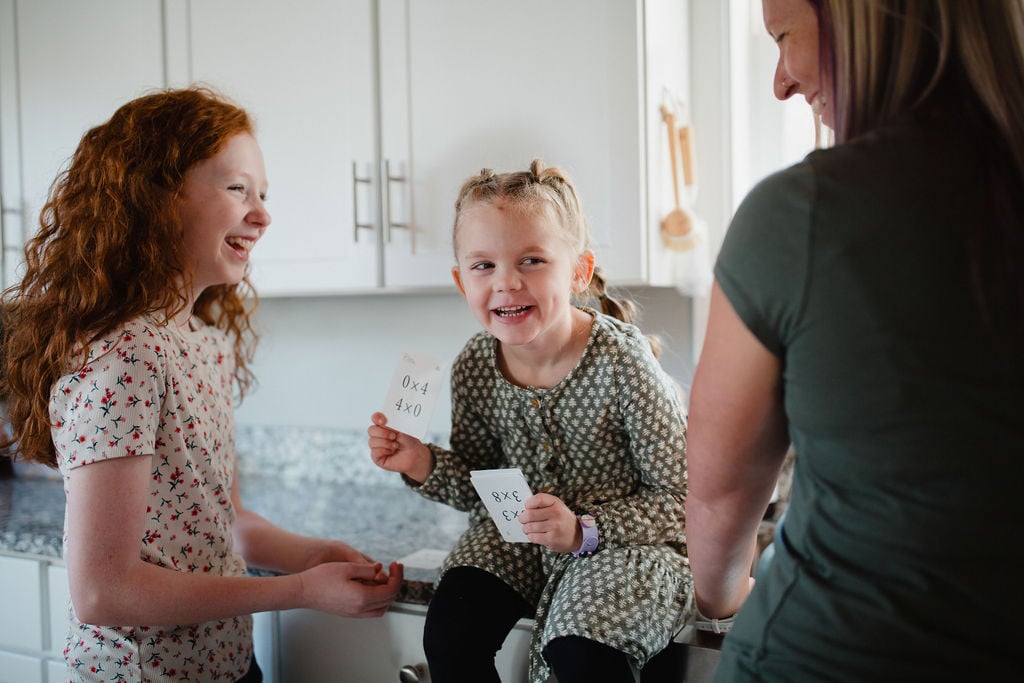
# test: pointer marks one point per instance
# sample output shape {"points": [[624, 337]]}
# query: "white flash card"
{"points": [[413, 393], [504, 493], [424, 558]]}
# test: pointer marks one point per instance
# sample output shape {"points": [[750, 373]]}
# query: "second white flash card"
{"points": [[504, 493]]}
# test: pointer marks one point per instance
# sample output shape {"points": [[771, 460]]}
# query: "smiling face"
{"points": [[793, 25], [518, 273], [222, 212]]}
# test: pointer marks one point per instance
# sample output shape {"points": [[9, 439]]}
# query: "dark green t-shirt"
{"points": [[901, 547]]}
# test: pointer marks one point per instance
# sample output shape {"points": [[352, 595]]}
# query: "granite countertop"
{"points": [[320, 483], [313, 482]]}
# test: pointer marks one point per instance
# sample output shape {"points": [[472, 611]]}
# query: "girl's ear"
{"points": [[458, 280], [584, 272]]}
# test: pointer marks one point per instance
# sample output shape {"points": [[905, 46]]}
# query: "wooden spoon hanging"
{"points": [[678, 223], [689, 168]]}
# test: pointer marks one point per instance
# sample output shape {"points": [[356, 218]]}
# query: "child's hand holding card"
{"points": [[504, 493], [413, 393]]}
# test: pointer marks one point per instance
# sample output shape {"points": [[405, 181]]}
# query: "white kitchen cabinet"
{"points": [[58, 604], [264, 644], [12, 233], [64, 67], [468, 84], [19, 669], [305, 72], [57, 672], [32, 643], [371, 113], [21, 594], [318, 648]]}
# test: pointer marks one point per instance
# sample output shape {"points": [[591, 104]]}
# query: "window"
{"points": [[767, 135]]}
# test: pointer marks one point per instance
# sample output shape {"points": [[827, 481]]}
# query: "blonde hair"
{"points": [[541, 188], [109, 249], [547, 188], [887, 59]]}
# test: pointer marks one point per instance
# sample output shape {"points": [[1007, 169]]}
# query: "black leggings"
{"points": [[254, 674], [470, 615]]}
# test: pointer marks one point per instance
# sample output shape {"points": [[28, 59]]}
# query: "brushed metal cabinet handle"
{"points": [[356, 182], [389, 224]]}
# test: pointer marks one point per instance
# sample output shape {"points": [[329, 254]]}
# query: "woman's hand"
{"points": [[548, 522], [398, 452]]}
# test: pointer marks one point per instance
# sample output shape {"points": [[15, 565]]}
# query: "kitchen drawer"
{"points": [[20, 668], [318, 648], [56, 672], [20, 594]]}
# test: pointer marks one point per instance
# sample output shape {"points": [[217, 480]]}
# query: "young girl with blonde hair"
{"points": [[577, 400]]}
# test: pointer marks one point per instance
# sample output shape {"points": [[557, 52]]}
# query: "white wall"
{"points": [[327, 362]]}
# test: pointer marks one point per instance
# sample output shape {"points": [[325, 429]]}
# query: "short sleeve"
{"points": [[110, 408], [764, 262]]}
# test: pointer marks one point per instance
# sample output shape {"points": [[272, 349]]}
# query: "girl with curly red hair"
{"points": [[126, 341]]}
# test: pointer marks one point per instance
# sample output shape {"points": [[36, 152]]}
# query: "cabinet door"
{"points": [[75, 63], [513, 659], [319, 648], [59, 603], [20, 669], [21, 594], [12, 233], [57, 672], [306, 74], [496, 85], [264, 643]]}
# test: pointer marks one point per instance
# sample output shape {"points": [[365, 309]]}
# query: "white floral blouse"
{"points": [[609, 440], [154, 391]]}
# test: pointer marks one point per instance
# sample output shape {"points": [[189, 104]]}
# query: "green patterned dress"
{"points": [[609, 440]]}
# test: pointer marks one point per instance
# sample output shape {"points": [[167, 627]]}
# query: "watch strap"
{"points": [[590, 536], [703, 623]]}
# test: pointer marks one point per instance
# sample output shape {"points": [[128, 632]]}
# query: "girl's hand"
{"points": [[398, 452], [349, 589], [336, 551], [548, 522]]}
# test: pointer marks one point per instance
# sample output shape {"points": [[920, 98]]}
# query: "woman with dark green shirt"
{"points": [[869, 309]]}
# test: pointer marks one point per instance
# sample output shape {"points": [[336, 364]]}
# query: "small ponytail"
{"points": [[620, 309]]}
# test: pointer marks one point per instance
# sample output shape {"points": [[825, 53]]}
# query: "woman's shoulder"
{"points": [[891, 159], [782, 193], [875, 158]]}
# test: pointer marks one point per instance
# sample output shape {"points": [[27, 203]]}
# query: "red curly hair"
{"points": [[110, 249]]}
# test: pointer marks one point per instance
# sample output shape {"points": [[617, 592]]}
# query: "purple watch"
{"points": [[590, 539]]}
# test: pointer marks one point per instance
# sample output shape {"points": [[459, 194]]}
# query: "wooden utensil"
{"points": [[686, 147], [678, 223]]}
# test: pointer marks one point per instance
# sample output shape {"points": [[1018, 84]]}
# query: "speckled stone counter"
{"points": [[313, 482]]}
